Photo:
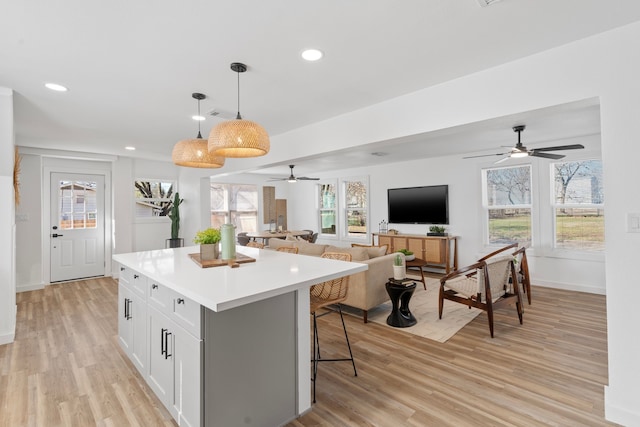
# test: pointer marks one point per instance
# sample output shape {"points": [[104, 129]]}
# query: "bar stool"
{"points": [[322, 295]]}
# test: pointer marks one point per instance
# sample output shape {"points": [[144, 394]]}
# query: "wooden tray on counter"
{"points": [[240, 259]]}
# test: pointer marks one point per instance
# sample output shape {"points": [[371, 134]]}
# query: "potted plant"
{"points": [[174, 214], [399, 271], [208, 240], [408, 255], [436, 230]]}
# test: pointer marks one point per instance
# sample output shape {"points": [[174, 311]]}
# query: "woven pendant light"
{"points": [[239, 138], [194, 153]]}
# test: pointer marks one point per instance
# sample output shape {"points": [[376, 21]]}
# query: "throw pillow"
{"points": [[357, 254], [306, 248], [278, 243], [376, 251]]}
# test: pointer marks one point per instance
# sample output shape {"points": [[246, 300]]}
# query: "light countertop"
{"points": [[221, 288]]}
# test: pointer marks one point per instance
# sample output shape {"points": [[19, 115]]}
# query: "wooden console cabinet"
{"points": [[437, 251]]}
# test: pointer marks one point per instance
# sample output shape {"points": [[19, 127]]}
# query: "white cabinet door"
{"points": [[187, 378], [125, 332], [138, 319], [161, 340]]}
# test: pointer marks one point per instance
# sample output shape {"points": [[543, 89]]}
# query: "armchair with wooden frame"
{"points": [[484, 285], [522, 265]]}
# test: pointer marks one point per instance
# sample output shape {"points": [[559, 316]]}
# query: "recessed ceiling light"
{"points": [[130, 148], [312, 54], [198, 118], [56, 87]]}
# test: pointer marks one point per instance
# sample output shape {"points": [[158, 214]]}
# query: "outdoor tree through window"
{"points": [[356, 207], [578, 205], [236, 204], [507, 199], [327, 208]]}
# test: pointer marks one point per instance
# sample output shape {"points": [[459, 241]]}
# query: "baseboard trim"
{"points": [[27, 288], [617, 414]]}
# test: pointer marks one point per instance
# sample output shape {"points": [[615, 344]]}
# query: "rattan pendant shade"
{"points": [[194, 153], [239, 138]]}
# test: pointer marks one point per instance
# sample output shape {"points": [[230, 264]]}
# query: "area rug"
{"points": [[424, 306]]}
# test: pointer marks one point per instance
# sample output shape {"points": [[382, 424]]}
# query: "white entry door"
{"points": [[77, 226]]}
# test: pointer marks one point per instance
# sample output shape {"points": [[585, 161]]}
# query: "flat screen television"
{"points": [[418, 205]]}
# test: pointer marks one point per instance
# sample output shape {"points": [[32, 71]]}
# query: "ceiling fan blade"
{"points": [[560, 148], [502, 160], [485, 155], [306, 178], [277, 179], [546, 155]]}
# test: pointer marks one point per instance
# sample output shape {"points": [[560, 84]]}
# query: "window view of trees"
{"points": [[235, 204], [327, 211], [507, 198], [356, 207], [153, 198], [579, 205]]}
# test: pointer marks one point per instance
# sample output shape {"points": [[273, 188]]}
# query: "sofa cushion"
{"points": [[306, 248], [376, 251], [357, 254], [279, 243]]}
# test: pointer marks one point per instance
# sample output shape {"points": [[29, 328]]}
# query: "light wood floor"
{"points": [[66, 368]]}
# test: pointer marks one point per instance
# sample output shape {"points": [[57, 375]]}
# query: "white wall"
{"points": [[7, 220], [29, 225]]}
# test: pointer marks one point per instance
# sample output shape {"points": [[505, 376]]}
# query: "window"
{"points": [[77, 207], [355, 207], [507, 200], [235, 204], [327, 208], [153, 198], [578, 205]]}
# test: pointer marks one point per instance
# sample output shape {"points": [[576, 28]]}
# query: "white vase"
{"points": [[399, 272]]}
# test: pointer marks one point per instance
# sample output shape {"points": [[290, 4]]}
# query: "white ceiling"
{"points": [[131, 66]]}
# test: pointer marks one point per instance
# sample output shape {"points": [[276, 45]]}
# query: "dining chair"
{"points": [[323, 295]]}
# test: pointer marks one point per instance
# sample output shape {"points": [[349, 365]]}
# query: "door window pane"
{"points": [[77, 205]]}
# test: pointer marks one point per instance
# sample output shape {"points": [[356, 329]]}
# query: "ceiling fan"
{"points": [[521, 151], [293, 178]]}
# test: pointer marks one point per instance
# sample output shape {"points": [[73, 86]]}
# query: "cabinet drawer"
{"points": [[188, 314], [124, 277], [160, 297], [138, 284]]}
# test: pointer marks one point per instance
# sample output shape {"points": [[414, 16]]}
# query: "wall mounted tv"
{"points": [[418, 205]]}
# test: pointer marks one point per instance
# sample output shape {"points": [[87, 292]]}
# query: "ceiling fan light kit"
{"points": [[520, 150], [239, 138], [194, 153]]}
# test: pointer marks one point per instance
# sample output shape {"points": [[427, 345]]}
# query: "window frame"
{"points": [[153, 218], [227, 203], [344, 210], [486, 208], [335, 209]]}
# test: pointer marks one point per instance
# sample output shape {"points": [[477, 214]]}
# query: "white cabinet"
{"points": [[132, 323], [161, 332], [175, 368]]}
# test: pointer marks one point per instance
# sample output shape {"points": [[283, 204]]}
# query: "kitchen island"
{"points": [[222, 346]]}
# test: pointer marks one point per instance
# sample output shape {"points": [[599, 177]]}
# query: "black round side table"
{"points": [[400, 292]]}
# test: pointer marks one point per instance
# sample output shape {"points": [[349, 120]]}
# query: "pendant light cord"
{"points": [[238, 117], [199, 134]]}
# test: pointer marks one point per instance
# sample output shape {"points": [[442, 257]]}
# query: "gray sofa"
{"points": [[367, 288]]}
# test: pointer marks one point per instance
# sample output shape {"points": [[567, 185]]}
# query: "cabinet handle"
{"points": [[154, 286], [162, 341], [180, 301], [166, 345], [121, 268], [129, 310], [126, 308], [135, 276]]}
